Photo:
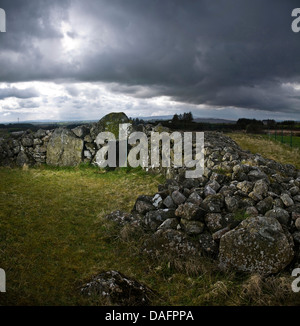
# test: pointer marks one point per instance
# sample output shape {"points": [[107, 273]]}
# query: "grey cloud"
{"points": [[219, 53], [18, 93]]}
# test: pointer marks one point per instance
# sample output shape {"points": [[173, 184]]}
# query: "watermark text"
{"points": [[2, 21], [2, 280], [187, 150]]}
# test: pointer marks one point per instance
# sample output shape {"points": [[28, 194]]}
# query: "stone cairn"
{"points": [[244, 211]]}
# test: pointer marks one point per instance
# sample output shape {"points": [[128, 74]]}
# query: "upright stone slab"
{"points": [[110, 123], [64, 148]]}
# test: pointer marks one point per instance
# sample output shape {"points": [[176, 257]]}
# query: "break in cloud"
{"points": [[72, 59]]}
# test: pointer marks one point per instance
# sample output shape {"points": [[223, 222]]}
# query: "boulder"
{"points": [[257, 245], [64, 148], [109, 123], [118, 289]]}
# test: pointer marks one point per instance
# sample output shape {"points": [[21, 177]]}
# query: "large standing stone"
{"points": [[109, 123], [64, 148], [257, 245]]}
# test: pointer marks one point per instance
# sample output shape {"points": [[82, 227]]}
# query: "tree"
{"points": [[175, 118]]}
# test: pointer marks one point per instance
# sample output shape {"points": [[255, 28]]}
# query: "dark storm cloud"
{"points": [[222, 53], [18, 93]]}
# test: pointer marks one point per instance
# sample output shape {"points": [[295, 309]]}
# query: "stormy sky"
{"points": [[79, 60]]}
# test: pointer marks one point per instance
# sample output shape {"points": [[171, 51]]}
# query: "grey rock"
{"points": [[280, 214], [294, 191], [81, 131], [214, 222], [192, 227], [245, 186], [232, 203], [208, 190], [287, 200], [64, 148], [118, 289], [261, 187], [255, 175], [171, 242], [256, 245], [213, 203], [190, 211], [27, 141], [168, 202], [251, 211], [265, 205], [22, 159], [178, 197], [195, 198], [170, 223]]}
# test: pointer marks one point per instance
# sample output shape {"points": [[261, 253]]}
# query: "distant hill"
{"points": [[214, 120], [196, 119]]}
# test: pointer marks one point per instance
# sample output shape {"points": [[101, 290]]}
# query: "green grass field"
{"points": [[285, 139], [271, 149], [53, 239]]}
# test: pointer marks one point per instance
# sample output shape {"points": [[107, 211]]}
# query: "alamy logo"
{"points": [[296, 22], [296, 282], [2, 280], [186, 151], [2, 21]]}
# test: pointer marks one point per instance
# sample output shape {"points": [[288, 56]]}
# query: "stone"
{"points": [[171, 242], [251, 211], [208, 190], [218, 235], [214, 222], [121, 218], [117, 289], [192, 227], [143, 204], [178, 197], [213, 203], [297, 224], [256, 245], [168, 202], [170, 223], [64, 148], [214, 185], [280, 214], [27, 141], [40, 133], [22, 159], [294, 191], [255, 175], [109, 123], [190, 211], [232, 203], [287, 200], [265, 205], [153, 219], [261, 187], [81, 131], [195, 198], [245, 186]]}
